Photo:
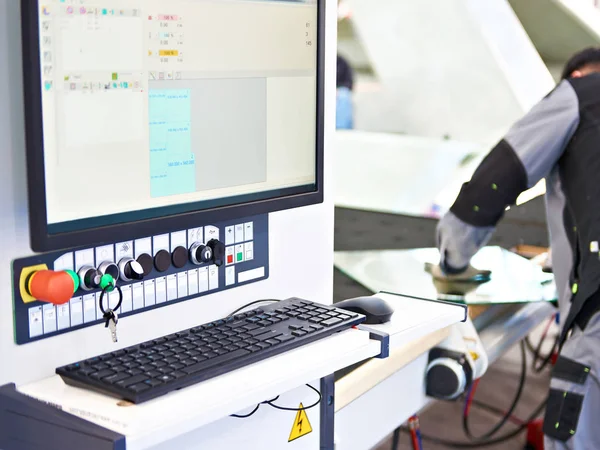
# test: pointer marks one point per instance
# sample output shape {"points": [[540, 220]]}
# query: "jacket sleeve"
{"points": [[523, 157]]}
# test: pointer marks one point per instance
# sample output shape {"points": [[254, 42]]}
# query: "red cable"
{"points": [[470, 397], [413, 433]]}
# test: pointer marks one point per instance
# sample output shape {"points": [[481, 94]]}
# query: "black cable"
{"points": [[244, 416], [506, 417], [282, 408], [494, 441], [545, 361], [253, 303], [396, 439], [489, 408]]}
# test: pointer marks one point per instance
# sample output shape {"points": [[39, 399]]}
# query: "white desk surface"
{"points": [[180, 412], [168, 417], [415, 318]]}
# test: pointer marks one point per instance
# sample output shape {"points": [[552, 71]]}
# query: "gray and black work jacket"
{"points": [[559, 140]]}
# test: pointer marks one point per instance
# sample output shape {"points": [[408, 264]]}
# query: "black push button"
{"points": [[179, 257], [146, 262], [162, 260]]}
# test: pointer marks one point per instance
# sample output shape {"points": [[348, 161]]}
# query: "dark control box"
{"points": [[151, 272]]}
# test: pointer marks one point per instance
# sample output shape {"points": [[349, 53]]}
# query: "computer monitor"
{"points": [[145, 116]]}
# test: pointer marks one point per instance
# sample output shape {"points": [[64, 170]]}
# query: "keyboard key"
{"points": [[285, 338], [258, 332], [177, 374], [137, 388], [254, 348], [133, 372], [204, 365], [332, 321], [295, 327], [166, 370], [153, 382], [87, 370], [112, 379], [101, 374], [133, 380], [152, 373], [177, 366], [270, 335], [299, 333], [159, 364], [166, 378], [273, 341]]}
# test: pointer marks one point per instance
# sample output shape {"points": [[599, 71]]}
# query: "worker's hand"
{"points": [[470, 275]]}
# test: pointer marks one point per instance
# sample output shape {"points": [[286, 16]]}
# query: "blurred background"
{"points": [[424, 90]]}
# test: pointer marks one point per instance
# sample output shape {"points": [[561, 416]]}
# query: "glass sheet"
{"points": [[513, 280]]}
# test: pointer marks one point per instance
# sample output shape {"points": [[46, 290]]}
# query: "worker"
{"points": [[559, 141]]}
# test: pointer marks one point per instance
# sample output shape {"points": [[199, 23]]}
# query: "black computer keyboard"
{"points": [[151, 369]]}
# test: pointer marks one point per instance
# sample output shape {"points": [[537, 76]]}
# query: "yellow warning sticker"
{"points": [[301, 425]]}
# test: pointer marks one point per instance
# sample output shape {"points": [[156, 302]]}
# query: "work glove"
{"points": [[469, 275]]}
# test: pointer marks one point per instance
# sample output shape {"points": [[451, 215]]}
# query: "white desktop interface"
{"points": [[151, 103]]}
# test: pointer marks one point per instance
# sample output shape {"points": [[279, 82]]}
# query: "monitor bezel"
{"points": [[41, 240]]}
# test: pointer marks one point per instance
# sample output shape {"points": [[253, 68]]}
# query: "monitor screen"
{"points": [[152, 109]]}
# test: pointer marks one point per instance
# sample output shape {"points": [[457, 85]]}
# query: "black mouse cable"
{"points": [[255, 302]]}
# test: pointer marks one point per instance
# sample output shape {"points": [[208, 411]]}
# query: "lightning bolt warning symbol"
{"points": [[301, 426]]}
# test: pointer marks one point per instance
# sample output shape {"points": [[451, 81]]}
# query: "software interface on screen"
{"points": [[151, 103]]}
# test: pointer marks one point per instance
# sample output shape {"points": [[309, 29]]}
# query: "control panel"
{"points": [[59, 292]]}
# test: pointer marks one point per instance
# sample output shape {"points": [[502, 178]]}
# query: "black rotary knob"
{"points": [[200, 253], [147, 263], [162, 260], [179, 257], [218, 250], [89, 278]]}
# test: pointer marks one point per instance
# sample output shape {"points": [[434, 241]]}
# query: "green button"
{"points": [[240, 256]]}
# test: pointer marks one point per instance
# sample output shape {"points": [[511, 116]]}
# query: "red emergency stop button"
{"points": [[53, 287]]}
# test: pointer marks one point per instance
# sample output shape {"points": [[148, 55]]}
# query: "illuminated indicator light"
{"points": [[240, 256], [169, 53], [494, 186], [476, 208], [115, 76], [229, 259]]}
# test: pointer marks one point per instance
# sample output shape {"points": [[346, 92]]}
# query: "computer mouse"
{"points": [[375, 309]]}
